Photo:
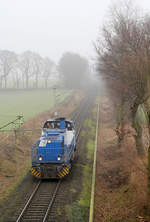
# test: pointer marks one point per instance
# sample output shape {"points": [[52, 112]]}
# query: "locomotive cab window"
{"points": [[49, 125], [57, 124], [52, 125], [69, 125]]}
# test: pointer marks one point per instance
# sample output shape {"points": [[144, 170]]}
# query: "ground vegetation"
{"points": [[123, 60]]}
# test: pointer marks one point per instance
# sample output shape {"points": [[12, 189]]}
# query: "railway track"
{"points": [[39, 205], [40, 202]]}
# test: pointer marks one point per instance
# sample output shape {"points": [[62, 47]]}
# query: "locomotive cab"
{"points": [[59, 123], [52, 154]]}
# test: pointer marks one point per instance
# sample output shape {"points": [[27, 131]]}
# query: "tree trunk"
{"points": [[5, 80], [17, 83], [46, 85], [27, 82], [36, 81], [1, 81], [134, 109], [139, 143], [120, 123], [23, 81], [138, 128]]}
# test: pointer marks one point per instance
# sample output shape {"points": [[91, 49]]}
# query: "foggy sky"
{"points": [[51, 27]]}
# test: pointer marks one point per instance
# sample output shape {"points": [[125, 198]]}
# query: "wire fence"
{"points": [[13, 129], [14, 124]]}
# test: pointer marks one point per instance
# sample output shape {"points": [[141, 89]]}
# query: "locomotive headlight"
{"points": [[40, 158], [58, 158], [49, 141]]}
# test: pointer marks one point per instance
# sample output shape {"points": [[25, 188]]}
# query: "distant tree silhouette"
{"points": [[7, 62], [73, 69], [47, 69]]}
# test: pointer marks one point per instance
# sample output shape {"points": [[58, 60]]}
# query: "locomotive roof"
{"points": [[58, 119]]}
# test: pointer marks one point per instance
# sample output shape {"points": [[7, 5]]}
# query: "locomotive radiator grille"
{"points": [[63, 172], [36, 173]]}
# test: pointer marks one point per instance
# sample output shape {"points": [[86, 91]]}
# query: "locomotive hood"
{"points": [[59, 135], [51, 146], [55, 134]]}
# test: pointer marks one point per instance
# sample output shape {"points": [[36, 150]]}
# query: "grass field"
{"points": [[28, 103]]}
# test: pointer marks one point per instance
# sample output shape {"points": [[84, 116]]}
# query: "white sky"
{"points": [[51, 27]]}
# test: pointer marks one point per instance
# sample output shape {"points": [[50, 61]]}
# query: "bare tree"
{"points": [[48, 66], [26, 65], [7, 62], [73, 69], [123, 56], [16, 75], [124, 61], [37, 67]]}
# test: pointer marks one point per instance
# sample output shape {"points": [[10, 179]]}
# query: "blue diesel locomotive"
{"points": [[52, 154]]}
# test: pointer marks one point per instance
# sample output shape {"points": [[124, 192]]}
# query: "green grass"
{"points": [[141, 116], [79, 210], [27, 103], [18, 180], [85, 195]]}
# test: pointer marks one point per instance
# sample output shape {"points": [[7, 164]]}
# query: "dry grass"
{"points": [[121, 180], [15, 156]]}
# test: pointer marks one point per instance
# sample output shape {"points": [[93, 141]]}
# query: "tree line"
{"points": [[123, 61], [31, 70]]}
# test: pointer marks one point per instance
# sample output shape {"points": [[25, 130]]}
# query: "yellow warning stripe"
{"points": [[36, 173], [63, 172], [60, 175], [39, 175], [66, 170]]}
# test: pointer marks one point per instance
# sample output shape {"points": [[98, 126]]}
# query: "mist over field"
{"points": [[75, 76]]}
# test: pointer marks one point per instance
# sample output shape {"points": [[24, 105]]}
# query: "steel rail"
{"points": [[35, 191], [29, 201], [52, 201]]}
